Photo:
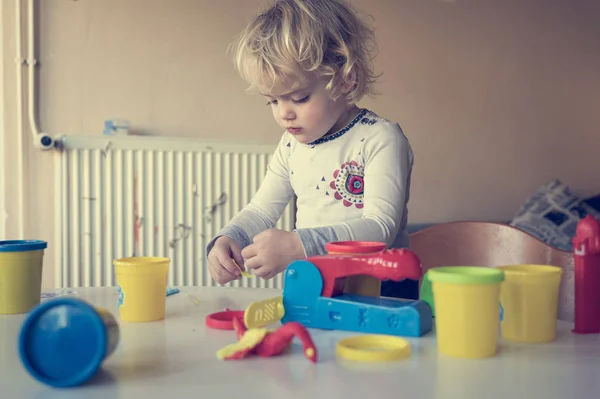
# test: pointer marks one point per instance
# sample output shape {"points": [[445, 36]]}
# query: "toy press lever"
{"points": [[393, 264]]}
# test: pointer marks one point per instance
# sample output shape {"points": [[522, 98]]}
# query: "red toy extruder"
{"points": [[586, 251]]}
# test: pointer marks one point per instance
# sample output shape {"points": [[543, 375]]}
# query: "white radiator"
{"points": [[149, 196]]}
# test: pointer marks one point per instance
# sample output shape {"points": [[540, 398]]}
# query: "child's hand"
{"points": [[220, 260], [272, 251]]}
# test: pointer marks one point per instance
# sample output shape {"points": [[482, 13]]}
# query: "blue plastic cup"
{"points": [[63, 342]]}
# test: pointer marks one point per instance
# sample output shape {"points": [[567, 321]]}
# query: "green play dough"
{"points": [[426, 294]]}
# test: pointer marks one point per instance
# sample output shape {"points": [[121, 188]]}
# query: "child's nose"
{"points": [[287, 113]]}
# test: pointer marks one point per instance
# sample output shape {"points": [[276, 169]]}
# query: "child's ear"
{"points": [[349, 82]]}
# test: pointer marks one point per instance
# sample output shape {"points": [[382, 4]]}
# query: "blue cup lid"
{"points": [[63, 342], [22, 245]]}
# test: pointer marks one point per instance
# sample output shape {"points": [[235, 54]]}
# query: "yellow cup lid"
{"points": [[531, 273], [466, 275], [373, 348], [140, 261]]}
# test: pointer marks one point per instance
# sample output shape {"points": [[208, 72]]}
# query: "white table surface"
{"points": [[176, 358]]}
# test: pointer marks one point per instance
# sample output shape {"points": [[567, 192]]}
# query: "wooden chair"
{"points": [[490, 245]]}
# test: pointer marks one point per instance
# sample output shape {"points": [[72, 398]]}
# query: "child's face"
{"points": [[308, 112]]}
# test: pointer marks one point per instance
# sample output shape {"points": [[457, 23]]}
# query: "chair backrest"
{"points": [[493, 244]]}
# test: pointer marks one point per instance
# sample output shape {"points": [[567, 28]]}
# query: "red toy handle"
{"points": [[393, 264]]}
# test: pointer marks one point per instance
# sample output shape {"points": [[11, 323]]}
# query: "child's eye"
{"points": [[272, 102], [302, 100]]}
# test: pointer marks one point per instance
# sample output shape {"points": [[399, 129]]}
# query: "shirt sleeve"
{"points": [[388, 166], [267, 204]]}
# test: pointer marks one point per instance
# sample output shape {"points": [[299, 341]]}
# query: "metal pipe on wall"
{"points": [[20, 148], [3, 215], [41, 140]]}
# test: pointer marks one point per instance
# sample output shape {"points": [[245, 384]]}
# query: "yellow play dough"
{"points": [[249, 340]]}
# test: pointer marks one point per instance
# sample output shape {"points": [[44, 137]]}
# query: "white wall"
{"points": [[496, 96]]}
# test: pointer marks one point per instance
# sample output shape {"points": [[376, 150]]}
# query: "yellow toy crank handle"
{"points": [[265, 312]]}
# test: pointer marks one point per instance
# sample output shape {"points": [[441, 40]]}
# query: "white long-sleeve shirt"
{"points": [[351, 185]]}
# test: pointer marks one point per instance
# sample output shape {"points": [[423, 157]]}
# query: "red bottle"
{"points": [[586, 251]]}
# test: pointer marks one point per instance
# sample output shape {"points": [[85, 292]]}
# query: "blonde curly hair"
{"points": [[293, 38]]}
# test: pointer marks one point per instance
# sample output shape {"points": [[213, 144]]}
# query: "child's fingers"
{"points": [[219, 269], [226, 276], [220, 274], [239, 261], [228, 265], [263, 272], [249, 252], [253, 263], [236, 254], [243, 271]]}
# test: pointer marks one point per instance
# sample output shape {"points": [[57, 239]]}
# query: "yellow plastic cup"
{"points": [[142, 288], [529, 298], [467, 311], [21, 264]]}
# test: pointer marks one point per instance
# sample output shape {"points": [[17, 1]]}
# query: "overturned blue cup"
{"points": [[63, 342]]}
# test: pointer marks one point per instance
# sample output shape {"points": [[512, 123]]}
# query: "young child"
{"points": [[349, 168]]}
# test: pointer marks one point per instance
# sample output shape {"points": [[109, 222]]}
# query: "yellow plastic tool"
{"points": [[262, 313], [373, 348], [244, 273]]}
